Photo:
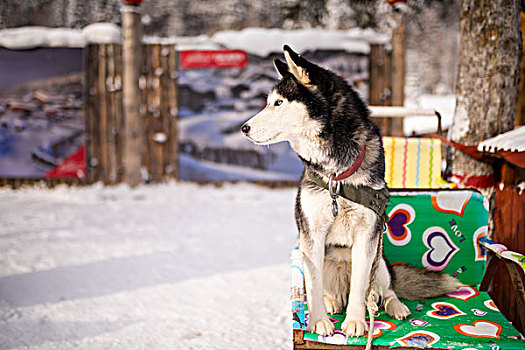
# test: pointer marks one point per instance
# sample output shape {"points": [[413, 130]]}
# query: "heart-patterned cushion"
{"points": [[451, 202], [442, 310], [442, 322], [464, 293], [440, 235], [440, 248], [420, 339], [400, 217], [480, 328]]}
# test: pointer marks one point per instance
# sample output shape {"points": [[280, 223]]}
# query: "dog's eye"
{"points": [[278, 103]]}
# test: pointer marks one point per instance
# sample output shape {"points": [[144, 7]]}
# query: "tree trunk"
{"points": [[487, 84], [520, 108]]}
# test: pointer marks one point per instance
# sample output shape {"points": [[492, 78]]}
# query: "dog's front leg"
{"points": [[364, 251], [318, 321], [314, 220]]}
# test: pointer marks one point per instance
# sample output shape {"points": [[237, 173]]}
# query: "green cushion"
{"points": [[444, 322], [438, 230]]}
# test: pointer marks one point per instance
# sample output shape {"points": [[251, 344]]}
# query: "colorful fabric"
{"points": [[502, 251], [438, 230], [466, 319], [413, 163]]}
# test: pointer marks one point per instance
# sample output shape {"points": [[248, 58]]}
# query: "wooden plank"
{"points": [[111, 107], [173, 113], [95, 125], [144, 84], [90, 96], [502, 281], [379, 84], [87, 63], [519, 292], [119, 115], [156, 147], [103, 113], [398, 74], [508, 230], [518, 217], [150, 115], [165, 109]]}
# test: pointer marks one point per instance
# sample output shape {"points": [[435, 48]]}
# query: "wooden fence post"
{"points": [[380, 83], [398, 74], [132, 58]]}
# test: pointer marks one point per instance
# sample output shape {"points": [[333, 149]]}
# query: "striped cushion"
{"points": [[413, 163]]}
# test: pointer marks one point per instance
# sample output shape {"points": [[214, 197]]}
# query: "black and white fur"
{"points": [[326, 123]]}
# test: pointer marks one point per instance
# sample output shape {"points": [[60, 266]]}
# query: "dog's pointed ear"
{"points": [[298, 66], [280, 67]]}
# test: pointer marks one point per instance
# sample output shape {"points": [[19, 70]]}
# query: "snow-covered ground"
{"points": [[175, 266]]}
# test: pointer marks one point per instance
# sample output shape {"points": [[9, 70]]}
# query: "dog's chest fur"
{"points": [[352, 220]]}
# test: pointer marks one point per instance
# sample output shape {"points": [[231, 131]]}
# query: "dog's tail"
{"points": [[417, 283]]}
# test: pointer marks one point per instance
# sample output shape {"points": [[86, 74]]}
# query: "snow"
{"points": [[257, 41], [102, 33], [31, 37], [173, 266], [262, 41], [444, 104], [513, 140]]}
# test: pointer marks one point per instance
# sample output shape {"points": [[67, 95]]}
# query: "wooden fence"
{"points": [[105, 118], [103, 108], [387, 80]]}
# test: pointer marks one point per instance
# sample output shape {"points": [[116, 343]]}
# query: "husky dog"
{"points": [[329, 127]]}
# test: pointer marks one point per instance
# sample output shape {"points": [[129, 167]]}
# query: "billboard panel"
{"points": [[214, 103], [41, 113]]}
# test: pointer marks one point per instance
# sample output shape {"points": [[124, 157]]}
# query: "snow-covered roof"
{"points": [[257, 41], [31, 37], [513, 141]]}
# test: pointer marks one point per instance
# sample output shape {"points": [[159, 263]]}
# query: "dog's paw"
{"points": [[354, 328], [397, 309], [332, 305], [322, 327]]}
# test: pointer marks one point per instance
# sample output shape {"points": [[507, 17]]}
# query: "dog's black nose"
{"points": [[245, 129]]}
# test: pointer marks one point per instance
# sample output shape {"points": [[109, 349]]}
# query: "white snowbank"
{"points": [[102, 33], [258, 41], [176, 266], [31, 37], [262, 42]]}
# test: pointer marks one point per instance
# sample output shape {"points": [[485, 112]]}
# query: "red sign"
{"points": [[192, 59], [132, 2], [393, 2], [73, 166]]}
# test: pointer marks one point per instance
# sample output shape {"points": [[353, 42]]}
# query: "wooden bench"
{"points": [[442, 230]]}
